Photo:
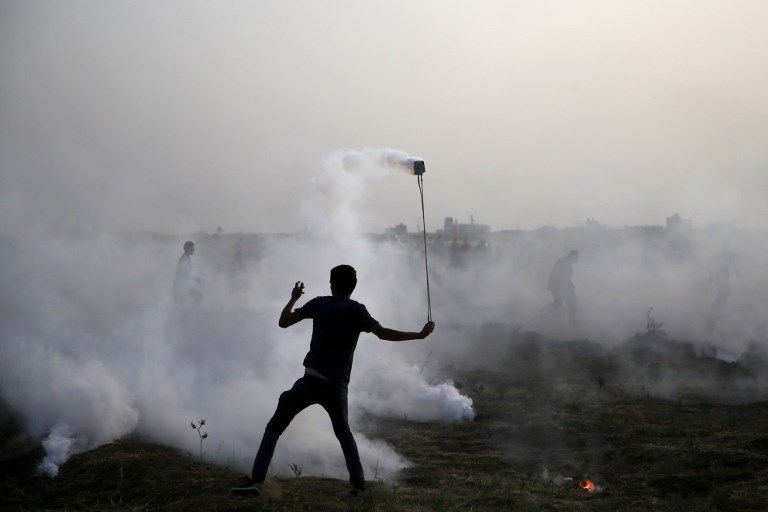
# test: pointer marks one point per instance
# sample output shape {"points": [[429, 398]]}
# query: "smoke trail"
{"points": [[370, 160]]}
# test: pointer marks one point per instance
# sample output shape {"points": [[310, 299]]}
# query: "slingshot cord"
{"points": [[420, 181]]}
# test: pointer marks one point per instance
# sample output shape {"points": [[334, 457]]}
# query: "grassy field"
{"points": [[549, 416]]}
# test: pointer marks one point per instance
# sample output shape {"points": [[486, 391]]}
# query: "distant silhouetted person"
{"points": [[183, 291], [720, 275], [337, 322], [561, 286]]}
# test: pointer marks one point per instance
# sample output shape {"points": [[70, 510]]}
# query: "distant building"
{"points": [[455, 229], [398, 231], [676, 222]]}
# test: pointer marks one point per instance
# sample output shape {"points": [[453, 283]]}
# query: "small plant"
{"points": [[297, 471], [653, 327], [202, 435]]}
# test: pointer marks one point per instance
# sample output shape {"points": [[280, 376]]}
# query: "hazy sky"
{"points": [[182, 115]]}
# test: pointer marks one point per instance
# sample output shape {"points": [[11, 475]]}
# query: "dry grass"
{"points": [[580, 417]]}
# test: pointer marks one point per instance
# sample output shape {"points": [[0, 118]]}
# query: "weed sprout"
{"points": [[297, 471], [202, 435]]}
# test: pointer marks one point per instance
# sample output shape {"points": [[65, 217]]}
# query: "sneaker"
{"points": [[248, 487]]}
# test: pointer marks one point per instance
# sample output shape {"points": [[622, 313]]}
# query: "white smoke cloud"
{"points": [[94, 341], [411, 396], [58, 445]]}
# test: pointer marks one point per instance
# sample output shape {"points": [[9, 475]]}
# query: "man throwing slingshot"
{"points": [[337, 322]]}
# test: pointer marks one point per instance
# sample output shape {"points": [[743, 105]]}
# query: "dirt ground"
{"points": [[569, 411]]}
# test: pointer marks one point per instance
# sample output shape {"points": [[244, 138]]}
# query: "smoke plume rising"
{"points": [[58, 446]]}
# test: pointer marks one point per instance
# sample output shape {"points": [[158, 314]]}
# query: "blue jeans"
{"points": [[307, 391]]}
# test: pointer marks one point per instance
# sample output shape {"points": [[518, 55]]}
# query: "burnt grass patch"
{"points": [[627, 417]]}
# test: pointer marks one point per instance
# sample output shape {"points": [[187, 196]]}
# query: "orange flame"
{"points": [[587, 485]]}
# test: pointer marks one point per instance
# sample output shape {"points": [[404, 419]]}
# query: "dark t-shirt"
{"points": [[336, 325]]}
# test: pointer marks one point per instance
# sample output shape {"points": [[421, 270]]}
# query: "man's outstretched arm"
{"points": [[288, 316], [393, 335]]}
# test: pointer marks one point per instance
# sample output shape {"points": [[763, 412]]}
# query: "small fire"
{"points": [[586, 485]]}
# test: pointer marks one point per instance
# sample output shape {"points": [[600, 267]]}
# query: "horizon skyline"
{"points": [[91, 228]]}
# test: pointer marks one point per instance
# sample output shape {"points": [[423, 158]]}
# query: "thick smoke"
{"points": [[94, 347], [58, 447], [691, 293]]}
